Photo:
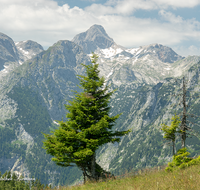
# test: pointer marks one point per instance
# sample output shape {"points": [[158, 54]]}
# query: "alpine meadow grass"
{"points": [[149, 179]]}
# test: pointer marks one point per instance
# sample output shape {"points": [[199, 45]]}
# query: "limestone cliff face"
{"points": [[144, 64], [53, 74], [41, 86], [95, 37], [33, 94], [163, 53], [24, 137], [27, 50], [8, 51], [14, 54]]}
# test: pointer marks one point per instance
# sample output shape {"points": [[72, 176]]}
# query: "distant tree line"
{"points": [[10, 181]]}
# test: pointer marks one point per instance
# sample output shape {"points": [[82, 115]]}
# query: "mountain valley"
{"points": [[36, 83]]}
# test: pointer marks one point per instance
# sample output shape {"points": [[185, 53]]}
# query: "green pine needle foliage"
{"points": [[181, 160], [170, 131]]}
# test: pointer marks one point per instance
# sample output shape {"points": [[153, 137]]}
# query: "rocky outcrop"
{"points": [[8, 51], [95, 37], [34, 93], [163, 53], [53, 74], [14, 54], [24, 137], [27, 50]]}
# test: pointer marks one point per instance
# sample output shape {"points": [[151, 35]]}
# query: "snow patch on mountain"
{"points": [[24, 52], [27, 49], [109, 74], [138, 52], [146, 57], [5, 70], [110, 52], [20, 62], [132, 51], [134, 61]]}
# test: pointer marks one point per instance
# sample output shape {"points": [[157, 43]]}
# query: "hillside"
{"points": [[35, 84], [150, 179]]}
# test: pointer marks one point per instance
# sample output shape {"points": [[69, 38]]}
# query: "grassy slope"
{"points": [[188, 178]]}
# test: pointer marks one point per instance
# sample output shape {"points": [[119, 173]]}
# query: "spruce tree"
{"points": [[170, 131], [88, 126]]}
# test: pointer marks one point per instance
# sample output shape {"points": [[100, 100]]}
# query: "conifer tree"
{"points": [[170, 131], [88, 126]]}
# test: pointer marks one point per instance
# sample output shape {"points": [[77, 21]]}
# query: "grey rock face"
{"points": [[20, 169], [7, 163], [23, 136], [8, 51], [8, 108], [163, 53], [45, 81], [150, 64], [28, 49], [14, 54], [124, 54], [143, 95], [53, 74], [95, 37], [144, 109]]}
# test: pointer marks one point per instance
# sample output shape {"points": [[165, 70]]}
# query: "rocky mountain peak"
{"points": [[8, 51], [164, 53], [144, 78], [30, 45], [28, 49], [95, 37]]}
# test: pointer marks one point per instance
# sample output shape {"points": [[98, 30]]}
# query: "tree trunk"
{"points": [[93, 166], [183, 122], [84, 177], [173, 145]]}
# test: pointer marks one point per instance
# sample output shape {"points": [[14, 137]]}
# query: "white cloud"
{"points": [[90, 0], [177, 3], [171, 17], [46, 22], [124, 7], [135, 32], [186, 28], [187, 50], [42, 20], [130, 5]]}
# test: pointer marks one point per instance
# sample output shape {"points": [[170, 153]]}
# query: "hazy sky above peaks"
{"points": [[131, 23]]}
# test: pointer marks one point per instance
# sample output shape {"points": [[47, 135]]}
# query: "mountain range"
{"points": [[36, 83]]}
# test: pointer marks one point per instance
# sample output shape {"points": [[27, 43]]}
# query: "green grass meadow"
{"points": [[149, 179]]}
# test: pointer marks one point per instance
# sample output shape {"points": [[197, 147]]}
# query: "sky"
{"points": [[131, 23]]}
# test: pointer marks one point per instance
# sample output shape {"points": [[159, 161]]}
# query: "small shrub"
{"points": [[181, 160]]}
